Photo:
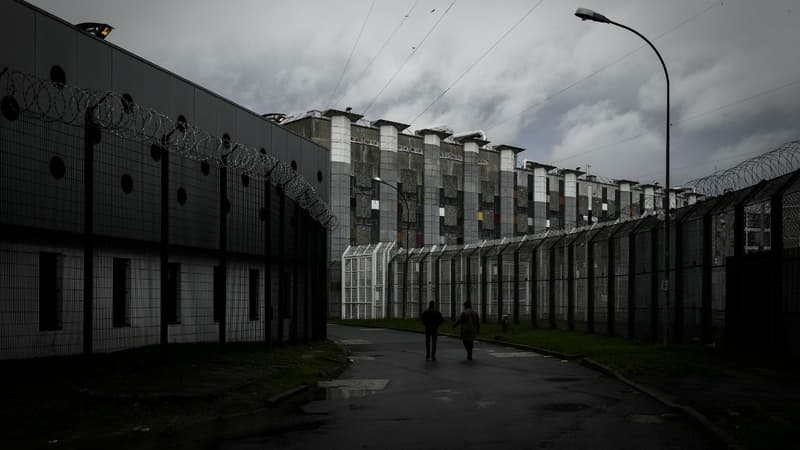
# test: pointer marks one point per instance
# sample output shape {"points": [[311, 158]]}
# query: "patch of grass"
{"points": [[120, 398]]}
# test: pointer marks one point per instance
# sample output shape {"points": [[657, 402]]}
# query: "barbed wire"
{"points": [[772, 164], [118, 114]]}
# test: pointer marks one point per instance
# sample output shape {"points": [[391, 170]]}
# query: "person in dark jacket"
{"points": [[470, 327], [431, 318]]}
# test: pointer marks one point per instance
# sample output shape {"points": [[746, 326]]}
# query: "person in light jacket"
{"points": [[470, 327]]}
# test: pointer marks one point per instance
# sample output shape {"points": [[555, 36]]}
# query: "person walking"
{"points": [[431, 318], [470, 327]]}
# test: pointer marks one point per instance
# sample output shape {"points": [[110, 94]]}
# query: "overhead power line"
{"points": [[477, 61], [604, 67], [707, 112], [413, 52], [386, 42], [363, 25]]}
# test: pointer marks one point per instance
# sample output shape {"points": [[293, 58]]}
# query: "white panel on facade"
{"points": [[441, 212], [388, 138], [432, 139], [507, 160], [340, 139], [539, 185], [570, 185], [376, 205]]}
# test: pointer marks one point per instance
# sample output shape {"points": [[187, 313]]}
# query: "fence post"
{"points": [[453, 287], [267, 265], [571, 286], [91, 136], [611, 288], [296, 256], [482, 259], [678, 271], [282, 288], [532, 284], [705, 308], [654, 291], [516, 285], [500, 284], [590, 285], [551, 294], [224, 206]]}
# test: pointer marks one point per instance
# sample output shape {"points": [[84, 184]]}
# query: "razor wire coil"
{"points": [[52, 101], [772, 164]]}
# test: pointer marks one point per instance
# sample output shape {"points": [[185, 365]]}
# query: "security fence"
{"points": [[123, 226], [733, 275]]}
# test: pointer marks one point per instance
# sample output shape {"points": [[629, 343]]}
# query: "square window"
{"points": [[50, 291], [121, 292]]}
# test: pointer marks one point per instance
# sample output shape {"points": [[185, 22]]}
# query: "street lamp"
{"points": [[588, 14], [407, 244]]}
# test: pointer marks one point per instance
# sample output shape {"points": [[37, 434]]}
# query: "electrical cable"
{"points": [[413, 52], [475, 63], [344, 70]]}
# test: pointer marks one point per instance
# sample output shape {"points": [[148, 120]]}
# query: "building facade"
{"points": [[437, 187], [139, 208]]}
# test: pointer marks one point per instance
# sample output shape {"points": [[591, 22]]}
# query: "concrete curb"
{"points": [[664, 399], [288, 393]]}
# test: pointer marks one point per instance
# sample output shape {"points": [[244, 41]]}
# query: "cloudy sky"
{"points": [[527, 72]]}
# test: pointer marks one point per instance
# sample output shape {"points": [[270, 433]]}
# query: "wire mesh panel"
{"points": [[791, 216], [645, 278], [600, 278], [622, 276], [561, 273]]}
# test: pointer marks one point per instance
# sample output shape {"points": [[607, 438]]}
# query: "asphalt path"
{"points": [[391, 397]]}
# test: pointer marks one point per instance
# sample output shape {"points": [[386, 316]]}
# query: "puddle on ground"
{"points": [[563, 379], [351, 388], [644, 418], [371, 329], [485, 404], [565, 407]]}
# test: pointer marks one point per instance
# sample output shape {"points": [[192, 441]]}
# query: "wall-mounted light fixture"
{"points": [[275, 117], [99, 30]]}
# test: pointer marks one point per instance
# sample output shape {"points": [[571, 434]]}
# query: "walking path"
{"points": [[392, 398]]}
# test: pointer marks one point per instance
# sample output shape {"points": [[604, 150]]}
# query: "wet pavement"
{"points": [[392, 398]]}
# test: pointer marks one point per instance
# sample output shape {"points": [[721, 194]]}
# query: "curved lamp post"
{"points": [[407, 244], [588, 14]]}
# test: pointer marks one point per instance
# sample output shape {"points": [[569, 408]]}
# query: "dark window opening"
{"points": [[319, 176], [181, 196], [127, 183], [57, 168], [253, 293], [245, 180], [294, 165], [58, 76], [50, 291], [173, 300], [10, 108], [205, 167], [121, 295], [155, 152]]}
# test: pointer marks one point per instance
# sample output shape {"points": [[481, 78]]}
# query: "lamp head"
{"points": [[588, 14], [378, 179], [99, 30]]}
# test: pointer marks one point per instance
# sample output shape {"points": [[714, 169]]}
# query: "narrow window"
{"points": [[284, 292], [50, 292], [121, 299], [218, 293], [254, 288], [173, 293]]}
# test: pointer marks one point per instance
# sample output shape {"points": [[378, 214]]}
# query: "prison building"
{"points": [[734, 266], [437, 187], [139, 208]]}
